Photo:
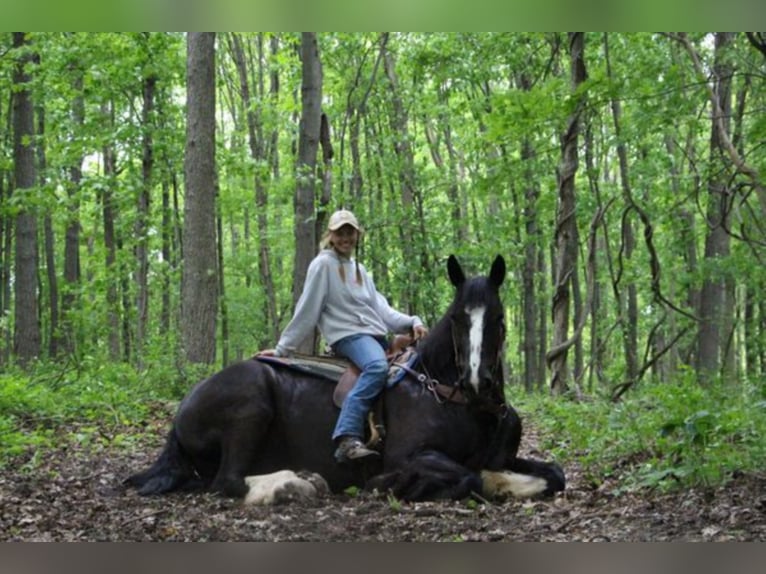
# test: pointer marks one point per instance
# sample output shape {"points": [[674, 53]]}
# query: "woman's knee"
{"points": [[377, 367]]}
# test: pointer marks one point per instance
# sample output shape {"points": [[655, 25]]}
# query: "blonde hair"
{"points": [[326, 243]]}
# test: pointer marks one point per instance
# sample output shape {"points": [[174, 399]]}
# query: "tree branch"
{"points": [[739, 163]]}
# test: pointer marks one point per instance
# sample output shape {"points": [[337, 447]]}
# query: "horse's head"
{"points": [[477, 324]]}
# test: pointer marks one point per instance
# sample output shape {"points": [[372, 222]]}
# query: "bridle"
{"points": [[453, 393]]}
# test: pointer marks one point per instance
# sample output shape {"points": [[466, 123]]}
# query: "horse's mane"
{"points": [[437, 353]]}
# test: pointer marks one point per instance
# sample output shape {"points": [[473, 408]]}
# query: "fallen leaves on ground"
{"points": [[74, 493]]}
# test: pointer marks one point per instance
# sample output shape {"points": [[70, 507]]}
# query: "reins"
{"points": [[442, 393]]}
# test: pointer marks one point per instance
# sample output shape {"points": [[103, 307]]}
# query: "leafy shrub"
{"points": [[659, 435], [89, 403]]}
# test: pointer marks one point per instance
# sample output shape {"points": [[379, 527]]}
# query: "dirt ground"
{"points": [[74, 493]]}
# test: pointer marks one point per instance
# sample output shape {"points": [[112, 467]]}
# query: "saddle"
{"points": [[345, 374], [349, 377]]}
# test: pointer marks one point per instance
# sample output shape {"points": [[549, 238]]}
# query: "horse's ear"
{"points": [[497, 273], [456, 274]]}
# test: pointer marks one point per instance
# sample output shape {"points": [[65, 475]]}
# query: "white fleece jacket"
{"points": [[340, 308]]}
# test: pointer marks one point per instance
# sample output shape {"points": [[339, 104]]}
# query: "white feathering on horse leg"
{"points": [[502, 484], [281, 486]]}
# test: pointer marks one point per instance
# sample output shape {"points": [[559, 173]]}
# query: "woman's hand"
{"points": [[419, 332], [266, 353]]}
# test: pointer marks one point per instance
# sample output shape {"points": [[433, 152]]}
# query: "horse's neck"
{"points": [[437, 355]]}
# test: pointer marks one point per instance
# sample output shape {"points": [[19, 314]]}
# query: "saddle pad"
{"points": [[330, 368], [401, 365]]}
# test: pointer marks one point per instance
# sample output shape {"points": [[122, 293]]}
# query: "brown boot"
{"points": [[351, 448]]}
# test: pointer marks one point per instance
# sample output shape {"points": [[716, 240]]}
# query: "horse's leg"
{"points": [[523, 479], [428, 475], [239, 448], [507, 474]]}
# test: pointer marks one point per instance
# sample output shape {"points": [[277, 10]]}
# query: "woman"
{"points": [[340, 298]]}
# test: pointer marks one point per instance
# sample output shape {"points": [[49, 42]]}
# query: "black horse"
{"points": [[449, 430]]}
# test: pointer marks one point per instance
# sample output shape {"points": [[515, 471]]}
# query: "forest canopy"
{"points": [[619, 174]]}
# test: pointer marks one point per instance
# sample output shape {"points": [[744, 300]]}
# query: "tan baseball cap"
{"points": [[343, 217]]}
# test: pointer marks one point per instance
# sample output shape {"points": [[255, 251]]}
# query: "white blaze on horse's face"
{"points": [[476, 334]]}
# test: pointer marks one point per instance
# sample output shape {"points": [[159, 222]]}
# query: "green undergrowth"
{"points": [[90, 403], [660, 436]]}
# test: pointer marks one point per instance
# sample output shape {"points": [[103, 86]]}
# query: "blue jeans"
{"points": [[369, 354]]}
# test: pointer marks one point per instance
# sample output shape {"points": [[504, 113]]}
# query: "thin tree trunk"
{"points": [[669, 365], [26, 340], [277, 264], [411, 209], [108, 216], [166, 259], [596, 342], [542, 316], [274, 91], [376, 184], [258, 152], [630, 313], [325, 174], [713, 306], [224, 309], [6, 244], [761, 347], [566, 233], [308, 146], [532, 375], [54, 330], [142, 219], [455, 174], [199, 284]]}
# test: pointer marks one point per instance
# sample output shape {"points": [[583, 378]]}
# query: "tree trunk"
{"points": [[761, 347], [306, 177], [274, 86], [224, 308], [542, 316], [713, 305], [26, 340], [5, 269], [532, 374], [108, 216], [411, 209], [454, 175], [377, 202], [167, 231], [199, 284], [142, 218], [629, 314], [54, 329], [596, 340], [687, 248], [566, 232], [258, 152]]}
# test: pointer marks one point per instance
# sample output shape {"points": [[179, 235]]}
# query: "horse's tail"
{"points": [[171, 471]]}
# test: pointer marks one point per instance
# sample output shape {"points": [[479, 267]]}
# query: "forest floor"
{"points": [[73, 493]]}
